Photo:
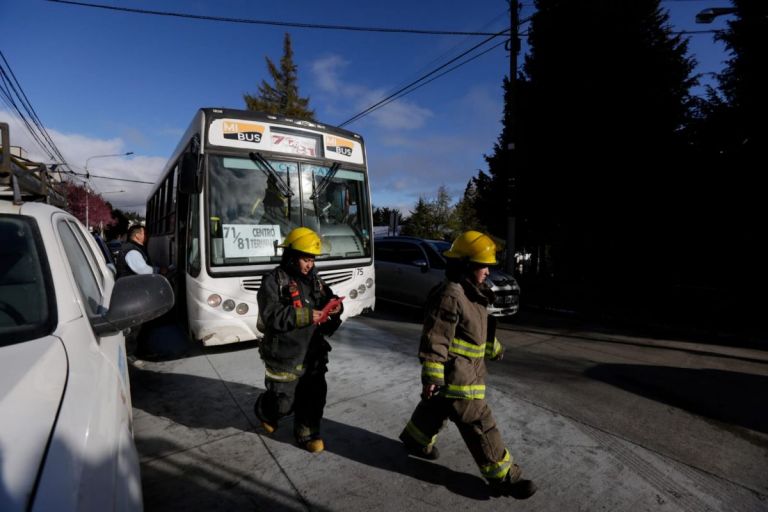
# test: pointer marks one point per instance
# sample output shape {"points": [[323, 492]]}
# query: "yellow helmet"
{"points": [[473, 246], [303, 240]]}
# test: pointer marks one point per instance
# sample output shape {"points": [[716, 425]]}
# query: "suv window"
{"points": [[384, 251], [81, 269], [399, 251], [27, 307], [435, 259]]}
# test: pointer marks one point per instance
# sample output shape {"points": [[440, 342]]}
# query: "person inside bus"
{"points": [[337, 197], [297, 310], [274, 204]]}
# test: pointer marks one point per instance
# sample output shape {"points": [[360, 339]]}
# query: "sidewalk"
{"points": [[200, 448]]}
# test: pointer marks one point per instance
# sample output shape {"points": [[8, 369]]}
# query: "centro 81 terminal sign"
{"points": [[250, 240]]}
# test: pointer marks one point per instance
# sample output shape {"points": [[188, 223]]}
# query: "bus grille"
{"points": [[331, 277], [252, 284]]}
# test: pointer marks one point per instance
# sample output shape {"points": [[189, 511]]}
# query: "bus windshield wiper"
{"points": [[325, 181], [265, 166]]}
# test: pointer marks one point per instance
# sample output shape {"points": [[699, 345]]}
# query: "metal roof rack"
{"points": [[24, 180]]}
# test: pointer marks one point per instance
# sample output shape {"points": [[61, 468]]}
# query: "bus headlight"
{"points": [[214, 300], [242, 308], [352, 293], [361, 289], [369, 282], [228, 305]]}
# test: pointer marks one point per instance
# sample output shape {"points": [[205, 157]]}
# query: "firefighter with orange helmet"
{"points": [[455, 341], [294, 349]]}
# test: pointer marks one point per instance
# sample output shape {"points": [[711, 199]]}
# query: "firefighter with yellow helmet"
{"points": [[455, 341], [294, 349]]}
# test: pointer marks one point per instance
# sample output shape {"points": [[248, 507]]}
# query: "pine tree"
{"points": [[465, 216], [381, 216], [744, 81], [443, 214], [731, 137], [608, 85], [422, 220], [498, 190], [282, 98]]}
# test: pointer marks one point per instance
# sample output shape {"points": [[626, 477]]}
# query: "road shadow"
{"points": [[738, 399], [163, 339], [196, 483], [381, 452], [212, 404], [189, 400], [542, 318]]}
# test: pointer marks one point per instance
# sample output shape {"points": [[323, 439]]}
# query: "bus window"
{"points": [[336, 209], [193, 240], [248, 210]]}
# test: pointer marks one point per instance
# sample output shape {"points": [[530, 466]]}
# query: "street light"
{"points": [[88, 176], [708, 15], [101, 226]]}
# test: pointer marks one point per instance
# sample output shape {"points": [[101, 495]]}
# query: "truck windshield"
{"points": [[251, 210], [26, 308]]}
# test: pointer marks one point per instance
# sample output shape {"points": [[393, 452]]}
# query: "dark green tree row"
{"points": [[627, 190]]}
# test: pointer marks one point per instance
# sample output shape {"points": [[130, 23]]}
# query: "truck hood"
{"points": [[33, 376]]}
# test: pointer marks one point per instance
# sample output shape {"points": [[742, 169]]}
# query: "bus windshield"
{"points": [[254, 203]]}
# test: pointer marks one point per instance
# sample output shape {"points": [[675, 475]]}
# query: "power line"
{"points": [[8, 100], [122, 179], [434, 78], [41, 136], [447, 53], [273, 22], [19, 92], [82, 176], [423, 77]]}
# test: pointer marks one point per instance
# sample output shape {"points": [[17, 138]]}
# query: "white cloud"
{"points": [[397, 115], [77, 149]]}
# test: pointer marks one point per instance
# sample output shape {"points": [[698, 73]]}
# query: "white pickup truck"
{"points": [[66, 437]]}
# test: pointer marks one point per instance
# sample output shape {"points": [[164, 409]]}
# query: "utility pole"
{"points": [[514, 47]]}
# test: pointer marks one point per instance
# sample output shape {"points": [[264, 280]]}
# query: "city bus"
{"points": [[236, 185]]}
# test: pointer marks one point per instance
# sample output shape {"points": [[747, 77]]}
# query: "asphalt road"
{"points": [[602, 419]]}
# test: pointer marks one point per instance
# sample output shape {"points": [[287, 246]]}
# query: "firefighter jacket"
{"points": [[457, 338], [286, 301]]}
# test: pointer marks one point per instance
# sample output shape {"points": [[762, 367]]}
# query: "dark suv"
{"points": [[407, 268]]}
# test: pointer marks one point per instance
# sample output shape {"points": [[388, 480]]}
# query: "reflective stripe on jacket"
{"points": [[288, 329], [453, 341]]}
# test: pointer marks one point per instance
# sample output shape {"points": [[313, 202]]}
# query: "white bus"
{"points": [[235, 186]]}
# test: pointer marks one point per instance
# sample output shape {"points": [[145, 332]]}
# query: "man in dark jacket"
{"points": [[295, 316], [133, 258]]}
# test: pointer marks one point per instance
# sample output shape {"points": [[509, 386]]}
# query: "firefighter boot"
{"points": [[308, 438], [413, 448], [268, 426], [513, 485], [314, 445]]}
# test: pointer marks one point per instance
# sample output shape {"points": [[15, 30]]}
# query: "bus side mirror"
{"points": [[190, 179]]}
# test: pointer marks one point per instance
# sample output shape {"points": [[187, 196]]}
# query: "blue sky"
{"points": [[106, 82]]}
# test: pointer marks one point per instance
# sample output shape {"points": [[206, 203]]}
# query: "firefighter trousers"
{"points": [[304, 396], [476, 425]]}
